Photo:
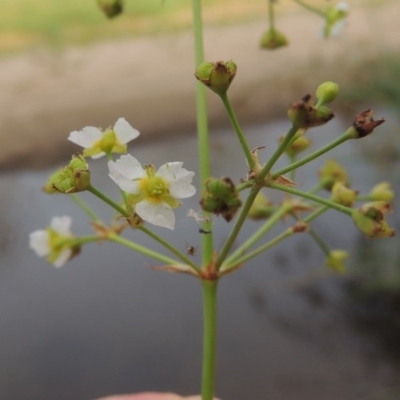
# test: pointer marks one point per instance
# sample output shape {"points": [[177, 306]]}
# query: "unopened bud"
{"points": [[303, 114], [382, 191], [297, 146], [273, 39], [75, 177], [111, 8], [332, 172], [216, 75], [327, 92], [343, 195], [221, 197], [262, 208], [370, 219], [335, 260]]}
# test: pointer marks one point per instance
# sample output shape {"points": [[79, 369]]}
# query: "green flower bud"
{"points": [[111, 8], [364, 124], [333, 172], [382, 191], [297, 146], [303, 114], [273, 39], [261, 208], [75, 177], [216, 75], [327, 92], [370, 219], [343, 195], [221, 197], [335, 260]]}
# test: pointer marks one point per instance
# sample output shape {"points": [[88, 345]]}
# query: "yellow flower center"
{"points": [[154, 188]]}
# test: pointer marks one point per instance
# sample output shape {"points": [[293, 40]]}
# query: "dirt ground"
{"points": [[150, 81]]}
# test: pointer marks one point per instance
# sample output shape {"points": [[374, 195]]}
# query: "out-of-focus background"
{"points": [[106, 322]]}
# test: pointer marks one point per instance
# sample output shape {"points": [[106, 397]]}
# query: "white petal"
{"points": [[61, 225], [119, 176], [179, 178], [39, 242], [160, 214], [87, 137], [128, 166], [62, 258], [124, 131]]}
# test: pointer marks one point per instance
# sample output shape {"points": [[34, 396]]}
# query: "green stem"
{"points": [[202, 128], [245, 185], [288, 232], [107, 200], [271, 15], [253, 194], [236, 126], [141, 249], [313, 197], [171, 248], [268, 225], [78, 241], [84, 207], [310, 8], [278, 152], [312, 156], [236, 228], [209, 338]]}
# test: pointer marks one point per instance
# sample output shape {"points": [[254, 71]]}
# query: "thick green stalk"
{"points": [[271, 15], [202, 128], [238, 130], [312, 156], [209, 338]]}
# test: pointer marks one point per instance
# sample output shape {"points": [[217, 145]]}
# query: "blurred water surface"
{"points": [[107, 323]]}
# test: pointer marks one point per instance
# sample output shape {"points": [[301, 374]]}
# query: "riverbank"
{"points": [[150, 81]]}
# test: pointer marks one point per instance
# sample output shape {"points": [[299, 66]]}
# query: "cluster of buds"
{"points": [[305, 114], [73, 178], [221, 197]]}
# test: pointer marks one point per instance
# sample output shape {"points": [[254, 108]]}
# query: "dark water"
{"points": [[106, 323]]}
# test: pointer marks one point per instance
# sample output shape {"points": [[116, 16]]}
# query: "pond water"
{"points": [[107, 323]]}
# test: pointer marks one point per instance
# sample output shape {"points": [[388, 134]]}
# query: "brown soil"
{"points": [[150, 81]]}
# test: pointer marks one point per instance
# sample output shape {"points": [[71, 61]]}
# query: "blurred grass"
{"points": [[27, 24]]}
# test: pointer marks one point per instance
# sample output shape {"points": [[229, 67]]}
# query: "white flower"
{"points": [[52, 241], [97, 143], [335, 19], [154, 193]]}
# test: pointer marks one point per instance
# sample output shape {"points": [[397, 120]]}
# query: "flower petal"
{"points": [[61, 225], [39, 242], [126, 172], [179, 178], [124, 131], [64, 256], [157, 214], [87, 137]]}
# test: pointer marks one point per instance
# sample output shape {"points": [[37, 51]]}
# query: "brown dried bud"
{"points": [[364, 124]]}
